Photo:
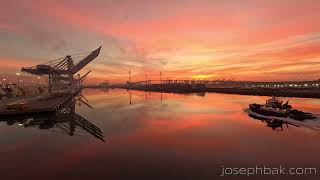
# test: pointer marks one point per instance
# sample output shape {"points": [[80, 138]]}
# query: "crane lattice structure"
{"points": [[60, 72]]}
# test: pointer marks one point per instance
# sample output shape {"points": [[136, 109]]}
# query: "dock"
{"points": [[303, 89], [63, 85], [37, 105]]}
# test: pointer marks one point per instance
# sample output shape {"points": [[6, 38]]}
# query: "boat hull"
{"points": [[257, 109], [13, 114]]}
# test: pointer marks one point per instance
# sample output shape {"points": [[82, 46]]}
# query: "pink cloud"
{"points": [[167, 28]]}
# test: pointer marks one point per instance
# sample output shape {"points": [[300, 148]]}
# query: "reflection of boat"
{"points": [[273, 107], [64, 121], [274, 124]]}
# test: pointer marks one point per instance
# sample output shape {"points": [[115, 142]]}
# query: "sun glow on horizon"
{"points": [[202, 76]]}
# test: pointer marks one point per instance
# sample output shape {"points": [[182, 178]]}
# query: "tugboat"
{"points": [[273, 107]]}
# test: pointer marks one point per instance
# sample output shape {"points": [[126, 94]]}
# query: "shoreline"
{"points": [[288, 92]]}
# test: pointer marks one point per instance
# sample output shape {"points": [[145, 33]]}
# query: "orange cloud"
{"points": [[182, 39]]}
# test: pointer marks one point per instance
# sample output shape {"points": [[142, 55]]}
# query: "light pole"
{"points": [[4, 82], [18, 75], [146, 80]]}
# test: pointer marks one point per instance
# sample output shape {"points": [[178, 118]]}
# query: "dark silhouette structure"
{"points": [[65, 120], [61, 72]]}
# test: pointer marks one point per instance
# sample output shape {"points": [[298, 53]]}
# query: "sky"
{"points": [[265, 40]]}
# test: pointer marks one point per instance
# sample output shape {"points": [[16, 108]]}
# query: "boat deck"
{"points": [[36, 104]]}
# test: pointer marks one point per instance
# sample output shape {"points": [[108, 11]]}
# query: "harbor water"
{"points": [[159, 136]]}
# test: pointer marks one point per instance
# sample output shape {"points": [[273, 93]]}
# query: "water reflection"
{"points": [[149, 93], [278, 123], [64, 121], [274, 124], [180, 137]]}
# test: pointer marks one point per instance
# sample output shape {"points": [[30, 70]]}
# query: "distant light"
{"points": [[305, 84], [20, 124]]}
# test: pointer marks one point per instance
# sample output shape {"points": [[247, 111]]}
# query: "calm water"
{"points": [[158, 136]]}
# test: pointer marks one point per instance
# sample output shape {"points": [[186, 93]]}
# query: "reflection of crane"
{"points": [[61, 71]]}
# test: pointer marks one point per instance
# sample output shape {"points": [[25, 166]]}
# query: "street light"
{"points": [[4, 82]]}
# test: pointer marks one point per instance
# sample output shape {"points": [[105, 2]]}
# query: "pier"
{"points": [[61, 118], [305, 89], [63, 84], [36, 105]]}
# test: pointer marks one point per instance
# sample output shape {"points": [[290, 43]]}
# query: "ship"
{"points": [[273, 107]]}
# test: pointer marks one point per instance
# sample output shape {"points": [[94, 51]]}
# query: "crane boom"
{"points": [[61, 71], [86, 61]]}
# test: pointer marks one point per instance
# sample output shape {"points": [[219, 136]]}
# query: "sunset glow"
{"points": [[201, 76], [183, 39]]}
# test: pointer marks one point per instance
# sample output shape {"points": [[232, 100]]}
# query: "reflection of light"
{"points": [[20, 124]]}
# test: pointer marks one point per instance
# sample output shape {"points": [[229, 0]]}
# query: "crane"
{"points": [[60, 72]]}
